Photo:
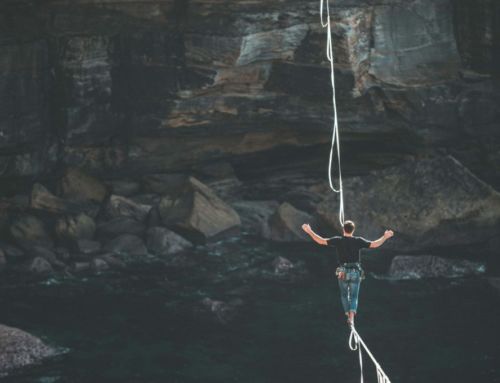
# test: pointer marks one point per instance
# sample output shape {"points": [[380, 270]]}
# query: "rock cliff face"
{"points": [[155, 86]]}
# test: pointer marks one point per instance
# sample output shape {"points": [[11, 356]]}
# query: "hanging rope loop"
{"points": [[325, 6]]}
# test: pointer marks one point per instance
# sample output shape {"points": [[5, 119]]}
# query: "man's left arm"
{"points": [[379, 242]]}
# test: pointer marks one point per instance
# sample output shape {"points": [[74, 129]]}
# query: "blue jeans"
{"points": [[349, 290]]}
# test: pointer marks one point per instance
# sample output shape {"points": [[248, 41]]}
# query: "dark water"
{"points": [[128, 328]]}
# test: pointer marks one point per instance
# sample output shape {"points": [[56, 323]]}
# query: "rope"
{"points": [[335, 131], [355, 343]]}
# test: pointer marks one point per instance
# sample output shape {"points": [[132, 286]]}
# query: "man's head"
{"points": [[349, 227]]}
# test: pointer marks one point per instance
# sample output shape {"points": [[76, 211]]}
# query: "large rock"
{"points": [[285, 225], [120, 225], [76, 227], [254, 214], [123, 207], [428, 203], [28, 229], [195, 211], [126, 244], [428, 266], [43, 199], [20, 349], [40, 265], [161, 241], [77, 185]]}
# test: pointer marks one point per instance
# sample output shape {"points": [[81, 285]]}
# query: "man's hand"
{"points": [[306, 227], [388, 234]]}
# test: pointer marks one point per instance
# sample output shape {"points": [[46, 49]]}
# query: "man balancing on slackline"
{"points": [[349, 272]]}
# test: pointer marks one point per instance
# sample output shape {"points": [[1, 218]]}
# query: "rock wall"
{"points": [[148, 86]]}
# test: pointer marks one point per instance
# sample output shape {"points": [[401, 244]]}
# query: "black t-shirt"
{"points": [[348, 248]]}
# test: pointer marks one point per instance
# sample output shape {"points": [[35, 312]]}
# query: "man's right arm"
{"points": [[379, 242], [316, 238]]}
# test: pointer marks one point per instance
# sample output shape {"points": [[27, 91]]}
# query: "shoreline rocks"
{"points": [[428, 266]]}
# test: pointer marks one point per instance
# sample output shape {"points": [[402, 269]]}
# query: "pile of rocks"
{"points": [[85, 224]]}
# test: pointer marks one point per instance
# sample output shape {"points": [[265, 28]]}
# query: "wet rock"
{"points": [[126, 244], [428, 266], [282, 265], [220, 311], [197, 213], [28, 229], [41, 266], [79, 186], [427, 202], [88, 247], [74, 228], [254, 214], [120, 225], [147, 199], [285, 225], [161, 241], [20, 349], [124, 207]]}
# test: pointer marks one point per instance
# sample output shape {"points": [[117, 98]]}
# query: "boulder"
{"points": [[428, 203], [12, 253], [196, 212], [120, 225], [285, 225], [112, 261], [28, 229], [219, 311], [20, 349], [124, 188], [254, 214], [161, 241], [45, 253], [40, 265], [126, 244], [79, 186], [124, 207], [99, 264], [164, 183], [88, 247], [428, 266], [43, 199], [80, 267], [74, 228], [282, 265]]}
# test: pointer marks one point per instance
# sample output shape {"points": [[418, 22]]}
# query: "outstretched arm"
{"points": [[316, 238], [379, 242]]}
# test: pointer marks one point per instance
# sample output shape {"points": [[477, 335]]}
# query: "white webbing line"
{"points": [[335, 133], [355, 343]]}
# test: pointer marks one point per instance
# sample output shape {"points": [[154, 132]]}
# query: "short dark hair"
{"points": [[349, 227]]}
